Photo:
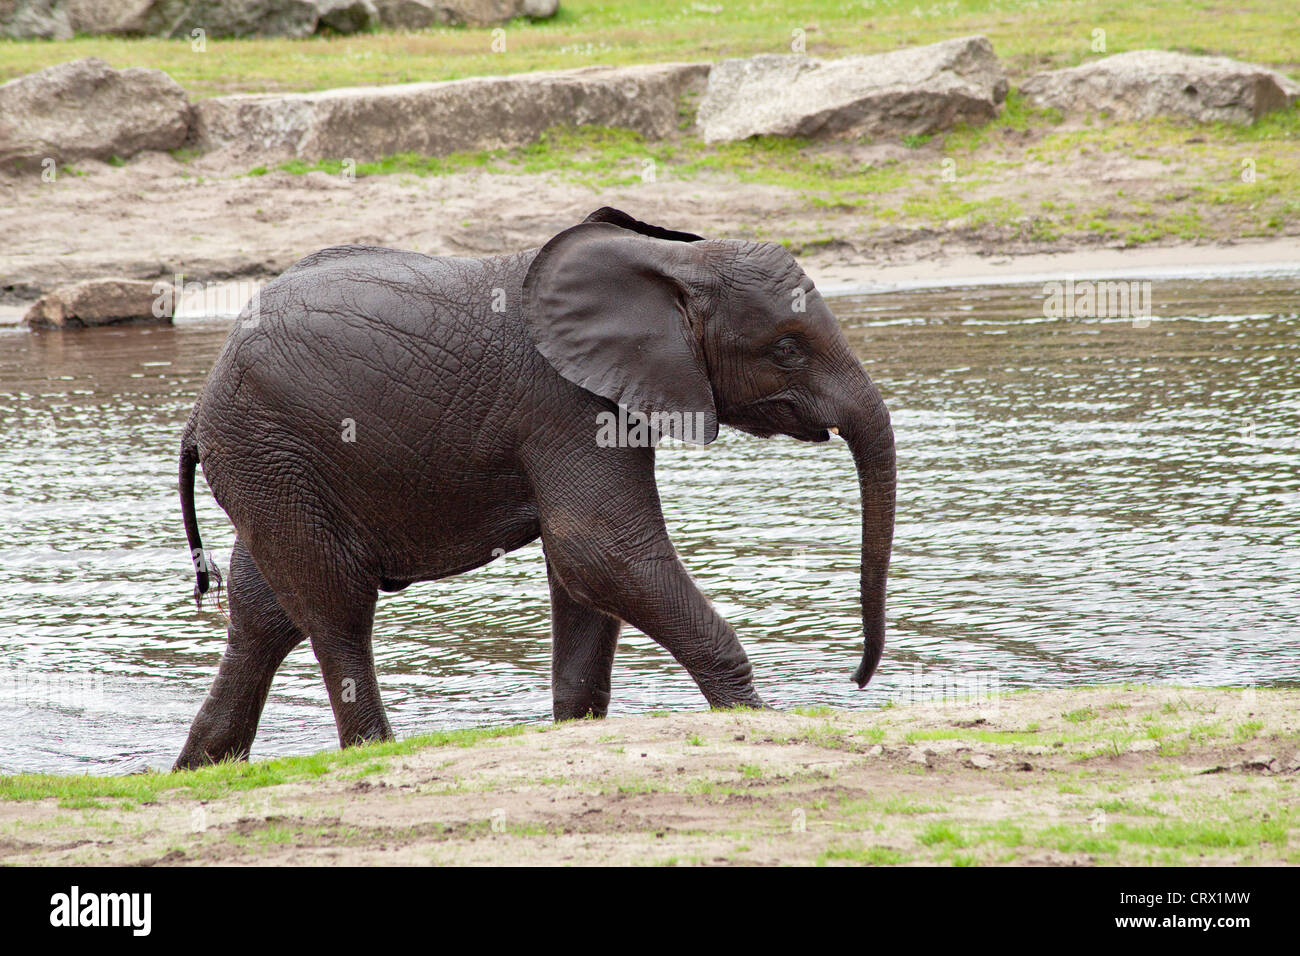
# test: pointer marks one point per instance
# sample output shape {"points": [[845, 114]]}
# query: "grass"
{"points": [[1157, 809], [1200, 195], [82, 792], [1028, 35], [869, 856], [1215, 181]]}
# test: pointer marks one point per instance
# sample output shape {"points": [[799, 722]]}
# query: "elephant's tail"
{"points": [[189, 459]]}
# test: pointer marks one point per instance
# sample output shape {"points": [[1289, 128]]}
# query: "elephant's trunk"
{"points": [[870, 437]]}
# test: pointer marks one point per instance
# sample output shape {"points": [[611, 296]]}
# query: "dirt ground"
{"points": [[1116, 775], [157, 216]]}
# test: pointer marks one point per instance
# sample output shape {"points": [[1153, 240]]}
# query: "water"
{"points": [[1080, 501]]}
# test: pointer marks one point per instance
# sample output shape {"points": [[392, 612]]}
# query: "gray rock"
{"points": [[60, 19], [347, 16], [911, 91], [434, 119], [1148, 83], [409, 14], [227, 18], [479, 13], [87, 110], [107, 16], [103, 302], [34, 19]]}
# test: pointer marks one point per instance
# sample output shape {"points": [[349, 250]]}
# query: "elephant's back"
{"points": [[362, 321], [373, 372]]}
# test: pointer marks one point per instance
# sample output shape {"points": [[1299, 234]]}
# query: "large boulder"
{"points": [[434, 119], [419, 14], [1148, 83], [409, 14], [88, 110], [103, 302], [107, 16], [226, 18], [911, 91], [347, 16], [60, 19], [34, 19]]}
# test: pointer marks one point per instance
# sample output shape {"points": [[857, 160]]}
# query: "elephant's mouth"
{"points": [[811, 435], [814, 435], [776, 414]]}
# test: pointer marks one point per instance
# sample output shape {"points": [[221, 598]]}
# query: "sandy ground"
{"points": [[1131, 775], [158, 217]]}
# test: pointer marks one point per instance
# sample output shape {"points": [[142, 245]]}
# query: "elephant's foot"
{"points": [[210, 743], [580, 704], [358, 728]]}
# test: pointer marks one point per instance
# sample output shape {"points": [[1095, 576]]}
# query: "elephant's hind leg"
{"points": [[259, 637], [583, 642], [341, 638]]}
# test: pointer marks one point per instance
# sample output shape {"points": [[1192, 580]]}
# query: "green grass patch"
{"points": [[942, 833], [868, 856], [1027, 34], [1247, 731], [210, 782]]}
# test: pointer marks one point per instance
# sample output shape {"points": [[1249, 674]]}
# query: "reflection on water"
{"points": [[1080, 501]]}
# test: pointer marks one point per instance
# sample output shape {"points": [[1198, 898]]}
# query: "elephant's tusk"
{"points": [[834, 429]]}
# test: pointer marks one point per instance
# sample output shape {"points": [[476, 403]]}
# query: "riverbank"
{"points": [[1031, 182], [1094, 776], [158, 216]]}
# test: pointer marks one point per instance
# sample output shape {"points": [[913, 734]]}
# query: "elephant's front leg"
{"points": [[583, 642], [656, 594], [607, 544]]}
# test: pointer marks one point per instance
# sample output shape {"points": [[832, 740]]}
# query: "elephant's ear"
{"points": [[619, 218], [609, 309]]}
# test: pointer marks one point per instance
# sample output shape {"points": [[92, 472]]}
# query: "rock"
{"points": [[87, 110], [418, 14], [227, 18], [347, 16], [1148, 83], [981, 761], [911, 91], [103, 302], [434, 119], [34, 19], [107, 16], [409, 14], [60, 19]]}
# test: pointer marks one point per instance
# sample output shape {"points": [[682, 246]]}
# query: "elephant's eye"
{"points": [[787, 350]]}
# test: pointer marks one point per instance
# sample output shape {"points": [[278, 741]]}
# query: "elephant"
{"points": [[378, 418]]}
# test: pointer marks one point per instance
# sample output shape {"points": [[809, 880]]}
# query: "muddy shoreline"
{"points": [[158, 218], [1090, 776]]}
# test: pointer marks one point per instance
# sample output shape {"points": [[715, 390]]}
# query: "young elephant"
{"points": [[379, 417]]}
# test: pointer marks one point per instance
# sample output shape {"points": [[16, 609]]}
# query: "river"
{"points": [[1081, 501]]}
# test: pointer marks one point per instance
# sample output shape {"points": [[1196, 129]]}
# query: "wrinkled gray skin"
{"points": [[476, 432]]}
